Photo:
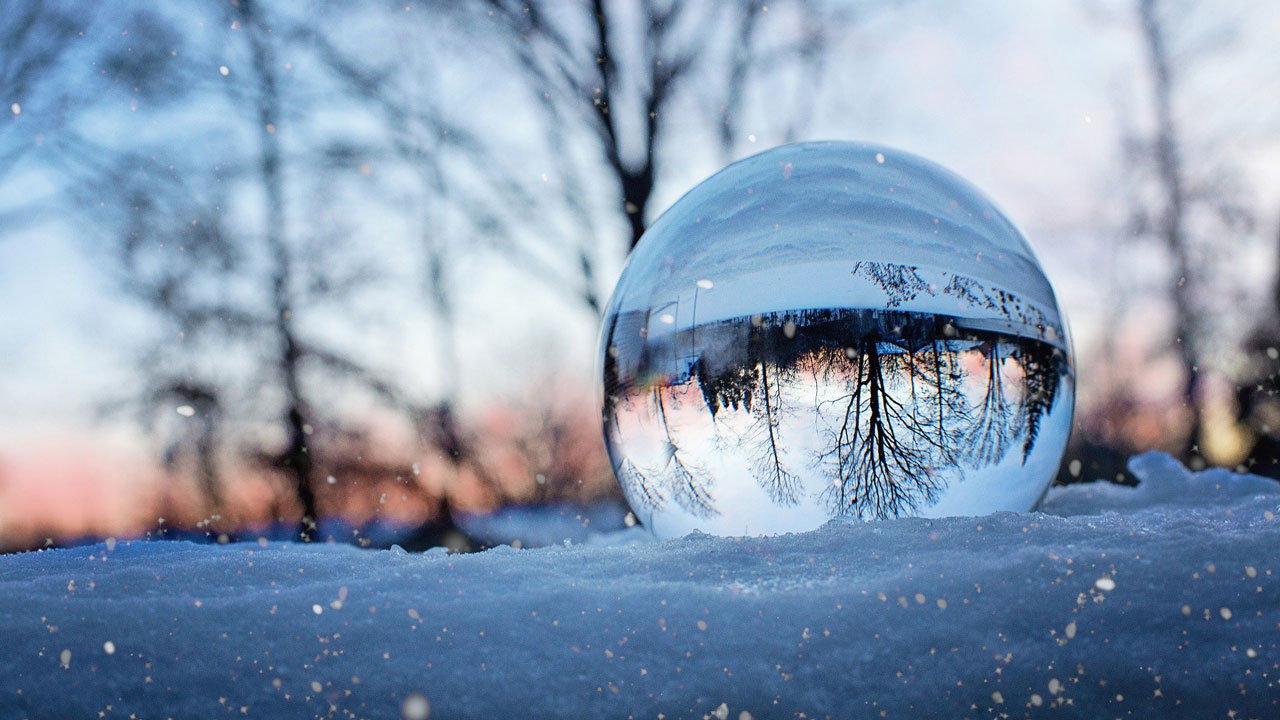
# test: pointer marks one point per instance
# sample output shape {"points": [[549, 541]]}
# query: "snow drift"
{"points": [[1162, 600]]}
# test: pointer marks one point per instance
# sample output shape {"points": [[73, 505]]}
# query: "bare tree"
{"points": [[620, 70], [295, 458], [881, 457], [1183, 203], [671, 474], [418, 136], [170, 244], [765, 436], [996, 422], [234, 288], [583, 72], [589, 78], [757, 388]]}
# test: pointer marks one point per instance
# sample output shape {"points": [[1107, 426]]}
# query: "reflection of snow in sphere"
{"points": [[832, 329]]}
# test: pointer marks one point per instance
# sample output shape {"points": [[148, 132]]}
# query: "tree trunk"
{"points": [[1169, 165], [295, 458]]}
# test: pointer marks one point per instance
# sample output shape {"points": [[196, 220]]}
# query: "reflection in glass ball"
{"points": [[832, 329]]}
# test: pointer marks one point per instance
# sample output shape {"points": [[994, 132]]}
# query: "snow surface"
{"points": [[1160, 601]]}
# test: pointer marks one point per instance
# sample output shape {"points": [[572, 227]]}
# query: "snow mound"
{"points": [[1148, 602], [1162, 481]]}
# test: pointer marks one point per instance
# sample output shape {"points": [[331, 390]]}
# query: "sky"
{"points": [[1027, 100]]}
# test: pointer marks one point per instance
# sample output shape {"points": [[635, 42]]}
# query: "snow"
{"points": [[1115, 602]]}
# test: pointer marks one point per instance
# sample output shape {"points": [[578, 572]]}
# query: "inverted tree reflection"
{"points": [[870, 413], [663, 471], [996, 422]]}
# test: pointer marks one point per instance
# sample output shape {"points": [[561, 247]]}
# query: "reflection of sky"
{"points": [[1025, 102]]}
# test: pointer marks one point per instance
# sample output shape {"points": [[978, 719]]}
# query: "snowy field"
{"points": [[1160, 601]]}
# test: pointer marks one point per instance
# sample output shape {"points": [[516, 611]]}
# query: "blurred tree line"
{"points": [[1184, 200], [242, 166], [220, 202]]}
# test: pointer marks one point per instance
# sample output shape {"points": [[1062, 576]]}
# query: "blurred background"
{"points": [[335, 269]]}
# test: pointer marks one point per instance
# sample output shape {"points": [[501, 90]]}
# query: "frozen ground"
{"points": [[1162, 601]]}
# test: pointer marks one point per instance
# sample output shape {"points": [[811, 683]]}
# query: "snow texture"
{"points": [[1159, 601]]}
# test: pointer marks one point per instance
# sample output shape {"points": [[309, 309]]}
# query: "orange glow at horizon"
{"points": [[71, 488], [70, 485]]}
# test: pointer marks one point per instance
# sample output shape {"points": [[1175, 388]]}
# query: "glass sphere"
{"points": [[832, 329]]}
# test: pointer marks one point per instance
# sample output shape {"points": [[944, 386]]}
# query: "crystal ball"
{"points": [[832, 329]]}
